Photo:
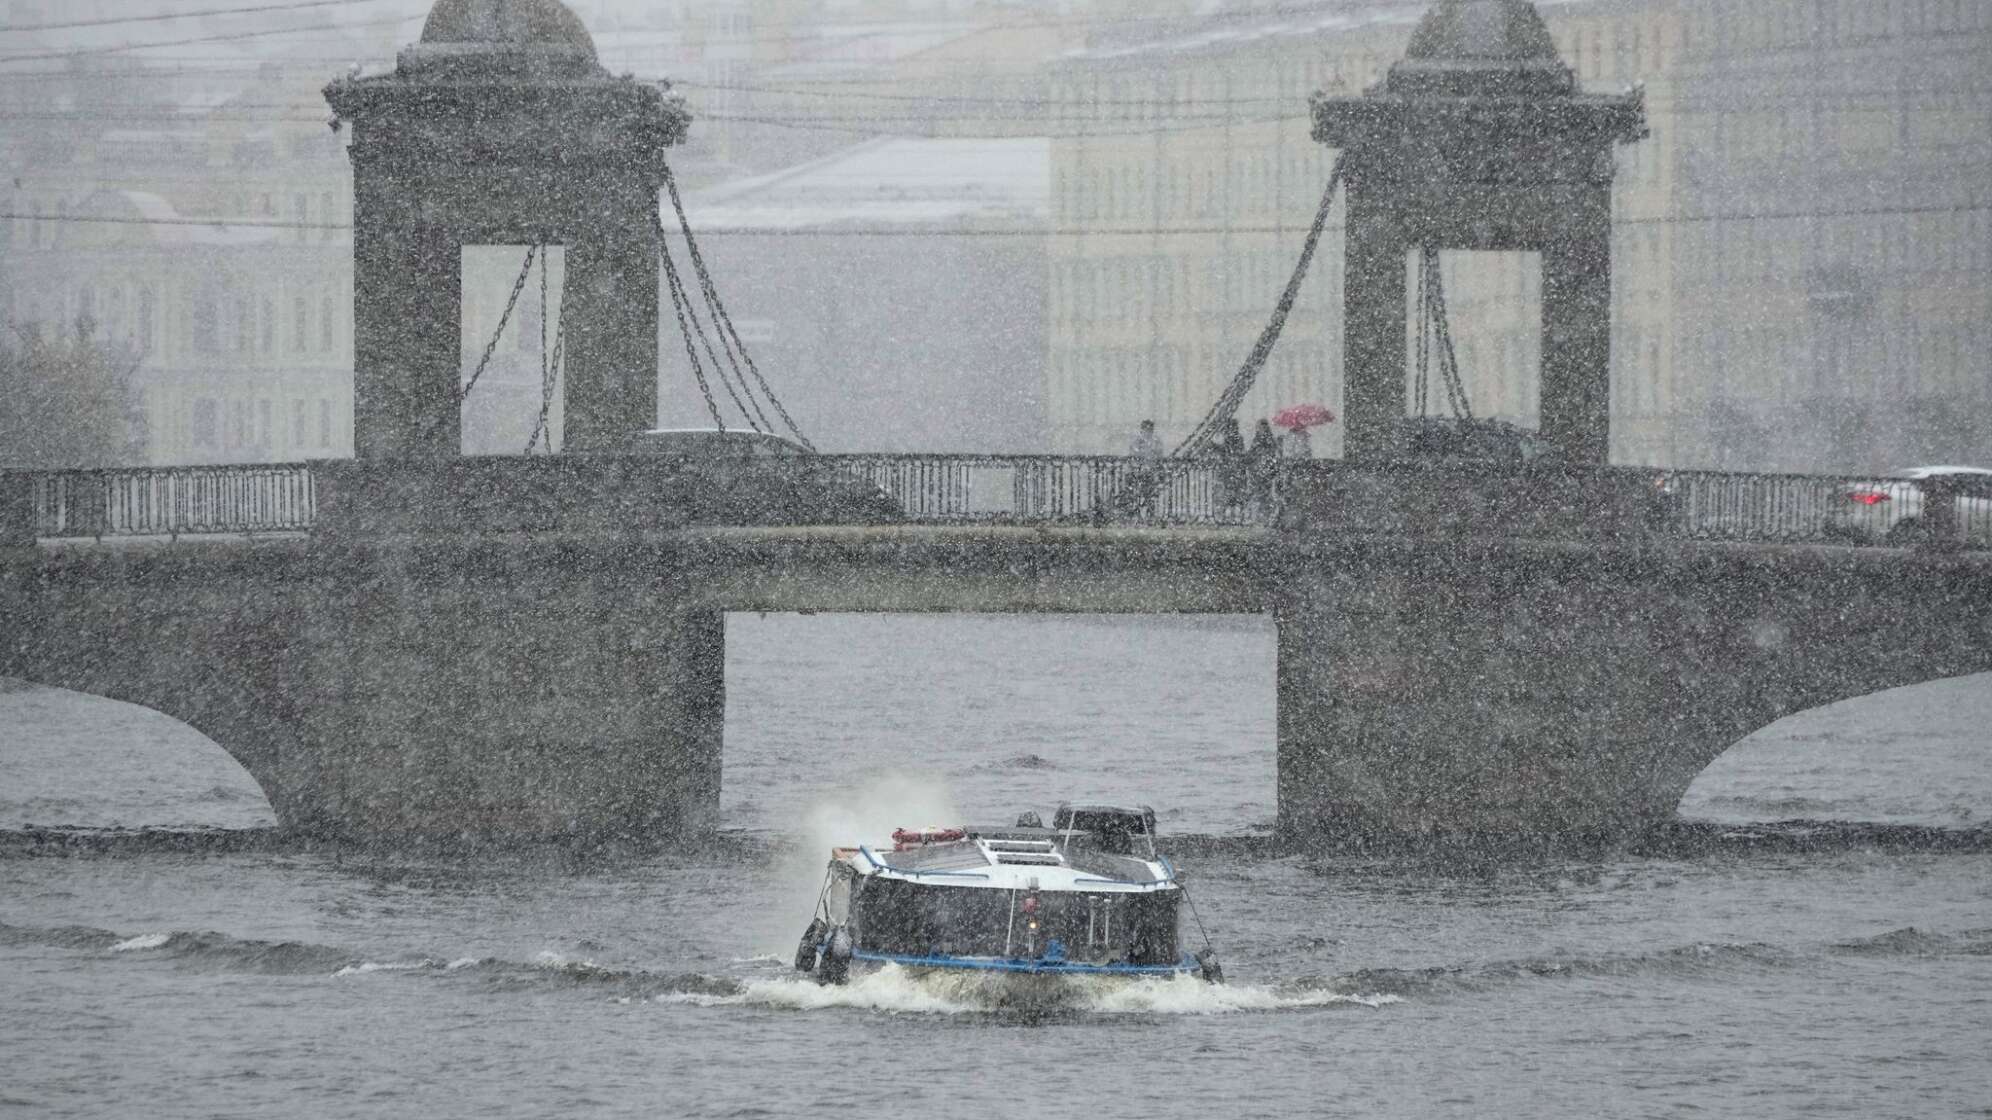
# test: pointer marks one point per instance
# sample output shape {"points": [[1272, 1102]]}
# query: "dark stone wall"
{"points": [[1434, 687], [407, 687], [567, 680]]}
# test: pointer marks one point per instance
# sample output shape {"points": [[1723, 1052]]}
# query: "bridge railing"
{"points": [[601, 493], [1047, 489], [1941, 511], [171, 501]]}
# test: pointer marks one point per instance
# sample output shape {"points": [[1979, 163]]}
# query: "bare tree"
{"points": [[68, 401]]}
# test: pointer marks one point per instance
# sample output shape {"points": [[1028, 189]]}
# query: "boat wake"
{"points": [[895, 989], [766, 983]]}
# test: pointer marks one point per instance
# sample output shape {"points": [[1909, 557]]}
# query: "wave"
{"points": [[1018, 762], [1701, 958], [1912, 942], [899, 990], [894, 989]]}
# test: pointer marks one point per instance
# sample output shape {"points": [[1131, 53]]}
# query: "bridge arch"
{"points": [[1909, 753], [84, 759]]}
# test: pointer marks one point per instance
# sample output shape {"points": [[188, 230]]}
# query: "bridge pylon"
{"points": [[1480, 139], [501, 127]]}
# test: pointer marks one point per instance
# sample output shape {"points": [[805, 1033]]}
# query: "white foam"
{"points": [[390, 966], [894, 989], [460, 962], [1188, 995], [142, 941], [547, 958]]}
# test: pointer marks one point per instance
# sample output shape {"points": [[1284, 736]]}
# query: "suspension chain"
{"points": [[549, 362], [729, 335], [705, 343], [462, 392], [685, 331], [1241, 383], [1422, 383], [1442, 330], [511, 302]]}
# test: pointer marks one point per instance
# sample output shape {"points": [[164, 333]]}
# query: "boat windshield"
{"points": [[922, 919]]}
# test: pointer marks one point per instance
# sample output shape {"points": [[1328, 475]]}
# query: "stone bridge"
{"points": [[531, 650]]}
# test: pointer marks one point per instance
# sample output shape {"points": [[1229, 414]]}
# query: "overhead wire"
{"points": [[165, 17], [1042, 231], [239, 36]]}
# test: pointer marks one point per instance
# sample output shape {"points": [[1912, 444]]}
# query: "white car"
{"points": [[1893, 510]]}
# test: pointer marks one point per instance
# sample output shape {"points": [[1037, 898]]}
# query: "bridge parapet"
{"points": [[636, 494]]}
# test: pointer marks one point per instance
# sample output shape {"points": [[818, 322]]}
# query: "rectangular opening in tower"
{"points": [[513, 349], [1491, 305]]}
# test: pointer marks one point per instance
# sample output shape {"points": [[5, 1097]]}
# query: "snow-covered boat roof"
{"points": [[1005, 863]]}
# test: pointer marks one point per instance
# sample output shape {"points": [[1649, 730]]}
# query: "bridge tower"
{"points": [[501, 127], [1479, 139]]}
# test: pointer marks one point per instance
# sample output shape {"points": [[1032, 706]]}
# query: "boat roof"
{"points": [[1010, 862]]}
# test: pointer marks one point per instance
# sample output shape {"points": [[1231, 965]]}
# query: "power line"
{"points": [[111, 21], [265, 33], [1058, 231]]}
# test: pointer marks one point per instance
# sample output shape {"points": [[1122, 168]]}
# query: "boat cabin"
{"points": [[1069, 897]]}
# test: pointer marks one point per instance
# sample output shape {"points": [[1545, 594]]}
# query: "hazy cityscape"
{"points": [[1025, 227], [1178, 559]]}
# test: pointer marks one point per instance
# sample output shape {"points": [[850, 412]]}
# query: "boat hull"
{"points": [[998, 966]]}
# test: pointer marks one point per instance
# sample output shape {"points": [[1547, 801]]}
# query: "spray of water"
{"points": [[863, 813]]}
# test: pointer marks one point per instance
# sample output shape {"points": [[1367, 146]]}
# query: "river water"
{"points": [[1748, 979]]}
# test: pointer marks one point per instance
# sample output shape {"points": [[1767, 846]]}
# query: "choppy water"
{"points": [[272, 981]]}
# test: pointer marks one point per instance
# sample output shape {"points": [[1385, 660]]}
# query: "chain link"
{"points": [[724, 321], [1241, 383], [684, 331], [462, 392]]}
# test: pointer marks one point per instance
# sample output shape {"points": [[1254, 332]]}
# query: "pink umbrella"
{"points": [[1298, 416]]}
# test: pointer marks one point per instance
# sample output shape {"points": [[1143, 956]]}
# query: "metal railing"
{"points": [[1045, 489], [1089, 490], [1711, 505], [171, 501]]}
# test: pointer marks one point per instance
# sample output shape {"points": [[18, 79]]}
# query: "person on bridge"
{"points": [[1264, 456], [1299, 445], [1147, 445], [1146, 476], [1232, 468]]}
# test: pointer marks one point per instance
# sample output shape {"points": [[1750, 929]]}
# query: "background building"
{"points": [[893, 290], [1800, 247]]}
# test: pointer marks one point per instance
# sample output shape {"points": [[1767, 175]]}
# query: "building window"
{"points": [[145, 313], [263, 423], [324, 422], [297, 424], [269, 325], [300, 325], [325, 340], [206, 335], [205, 425]]}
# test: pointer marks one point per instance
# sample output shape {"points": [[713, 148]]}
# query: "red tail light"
{"points": [[1867, 497]]}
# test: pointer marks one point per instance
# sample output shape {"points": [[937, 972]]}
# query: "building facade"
{"points": [[1799, 246]]}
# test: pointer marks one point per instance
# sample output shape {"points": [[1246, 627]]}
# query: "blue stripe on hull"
{"points": [[1047, 968]]}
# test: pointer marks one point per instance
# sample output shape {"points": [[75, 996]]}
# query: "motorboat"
{"points": [[1088, 896]]}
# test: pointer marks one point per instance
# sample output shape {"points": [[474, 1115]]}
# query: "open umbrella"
{"points": [[1298, 416]]}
